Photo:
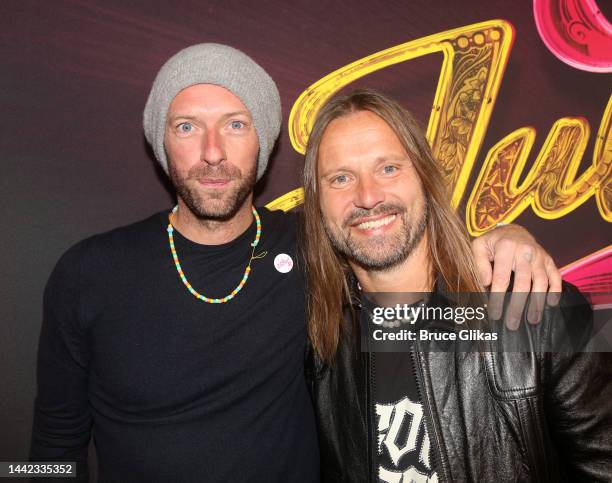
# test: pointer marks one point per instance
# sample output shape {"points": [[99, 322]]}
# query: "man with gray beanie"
{"points": [[178, 341]]}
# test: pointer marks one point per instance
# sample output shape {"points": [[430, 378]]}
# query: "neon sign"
{"points": [[474, 58]]}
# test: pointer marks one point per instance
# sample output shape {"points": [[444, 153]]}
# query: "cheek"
{"points": [[417, 198], [182, 150], [334, 205], [407, 190], [243, 151]]}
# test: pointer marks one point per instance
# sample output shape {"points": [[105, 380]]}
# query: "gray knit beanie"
{"points": [[222, 66]]}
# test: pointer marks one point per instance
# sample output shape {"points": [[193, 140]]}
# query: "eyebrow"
{"points": [[178, 116], [238, 113], [378, 160], [393, 157]]}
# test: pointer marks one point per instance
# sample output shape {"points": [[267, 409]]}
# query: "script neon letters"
{"points": [[474, 58]]}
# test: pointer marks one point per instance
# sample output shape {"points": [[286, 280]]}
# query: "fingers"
{"points": [[512, 248], [539, 287], [502, 269], [515, 309], [483, 259], [523, 258], [554, 281], [503, 263], [539, 274]]}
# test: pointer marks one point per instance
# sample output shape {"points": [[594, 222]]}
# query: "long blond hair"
{"points": [[327, 271]]}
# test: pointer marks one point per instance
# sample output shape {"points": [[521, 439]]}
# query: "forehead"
{"points": [[207, 97], [359, 135]]}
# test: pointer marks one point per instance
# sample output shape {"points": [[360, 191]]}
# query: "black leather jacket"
{"points": [[492, 416]]}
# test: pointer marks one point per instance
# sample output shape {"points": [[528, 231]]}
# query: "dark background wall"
{"points": [[74, 80]]}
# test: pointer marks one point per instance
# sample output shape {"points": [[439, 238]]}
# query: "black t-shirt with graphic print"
{"points": [[403, 444]]}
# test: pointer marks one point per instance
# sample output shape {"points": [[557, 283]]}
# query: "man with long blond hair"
{"points": [[378, 220]]}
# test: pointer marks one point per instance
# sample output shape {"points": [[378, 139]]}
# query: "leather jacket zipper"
{"points": [[369, 405], [435, 444], [371, 423]]}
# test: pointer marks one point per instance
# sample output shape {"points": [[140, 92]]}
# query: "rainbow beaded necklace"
{"points": [[247, 271]]}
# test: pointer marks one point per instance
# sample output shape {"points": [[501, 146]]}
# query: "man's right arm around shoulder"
{"points": [[62, 419]]}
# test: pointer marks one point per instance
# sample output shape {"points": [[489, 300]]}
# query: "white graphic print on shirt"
{"points": [[402, 431]]}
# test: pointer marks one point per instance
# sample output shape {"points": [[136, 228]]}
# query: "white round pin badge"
{"points": [[283, 263]]}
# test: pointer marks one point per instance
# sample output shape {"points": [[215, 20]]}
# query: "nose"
{"points": [[368, 193], [213, 151]]}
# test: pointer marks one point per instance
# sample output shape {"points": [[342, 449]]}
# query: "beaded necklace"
{"points": [[247, 271]]}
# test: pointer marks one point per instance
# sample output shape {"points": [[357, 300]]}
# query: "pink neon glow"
{"points": [[576, 32], [593, 274]]}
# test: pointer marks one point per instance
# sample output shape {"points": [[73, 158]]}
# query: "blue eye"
{"points": [[389, 169], [237, 125], [185, 127], [340, 179]]}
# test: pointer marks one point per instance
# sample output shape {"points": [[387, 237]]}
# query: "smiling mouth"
{"points": [[374, 224]]}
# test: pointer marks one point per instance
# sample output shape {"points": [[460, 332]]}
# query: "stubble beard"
{"points": [[379, 253], [218, 205]]}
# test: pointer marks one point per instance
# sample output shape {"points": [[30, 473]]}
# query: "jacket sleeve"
{"points": [[579, 398], [62, 420]]}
